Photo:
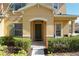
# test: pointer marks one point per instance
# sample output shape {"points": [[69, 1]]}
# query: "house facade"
{"points": [[37, 21]]}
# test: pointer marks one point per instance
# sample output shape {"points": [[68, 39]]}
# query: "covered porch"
{"points": [[63, 24]]}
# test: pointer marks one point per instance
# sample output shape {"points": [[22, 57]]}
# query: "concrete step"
{"points": [[38, 48], [38, 52]]}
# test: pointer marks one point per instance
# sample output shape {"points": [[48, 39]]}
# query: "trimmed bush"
{"points": [[1, 40], [24, 43], [15, 45], [3, 50], [2, 53], [20, 53], [63, 44], [7, 40]]}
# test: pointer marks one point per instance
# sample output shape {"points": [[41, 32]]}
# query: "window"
{"points": [[16, 6], [58, 29], [18, 29], [56, 5]]}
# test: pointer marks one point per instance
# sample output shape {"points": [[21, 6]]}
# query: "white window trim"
{"points": [[26, 35], [61, 29]]}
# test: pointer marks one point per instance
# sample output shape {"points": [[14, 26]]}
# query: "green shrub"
{"points": [[20, 53], [74, 44], [3, 50], [63, 44], [1, 40], [2, 53], [24, 43], [14, 43], [7, 40]]}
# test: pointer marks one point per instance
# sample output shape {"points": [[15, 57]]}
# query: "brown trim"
{"points": [[32, 29]]}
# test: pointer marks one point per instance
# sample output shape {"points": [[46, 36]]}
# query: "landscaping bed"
{"points": [[63, 45], [65, 54], [15, 46]]}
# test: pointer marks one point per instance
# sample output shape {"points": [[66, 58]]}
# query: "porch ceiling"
{"points": [[65, 17]]}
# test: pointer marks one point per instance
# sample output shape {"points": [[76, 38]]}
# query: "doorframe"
{"points": [[38, 22], [43, 31], [33, 29]]}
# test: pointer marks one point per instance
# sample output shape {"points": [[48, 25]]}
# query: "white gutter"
{"points": [[65, 16]]}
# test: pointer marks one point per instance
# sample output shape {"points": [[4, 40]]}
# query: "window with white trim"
{"points": [[58, 29], [18, 29]]}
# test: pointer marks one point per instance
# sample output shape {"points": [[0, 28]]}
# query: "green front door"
{"points": [[38, 32]]}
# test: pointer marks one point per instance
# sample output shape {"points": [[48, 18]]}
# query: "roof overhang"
{"points": [[65, 17]]}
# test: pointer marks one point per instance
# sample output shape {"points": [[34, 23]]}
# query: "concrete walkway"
{"points": [[38, 48]]}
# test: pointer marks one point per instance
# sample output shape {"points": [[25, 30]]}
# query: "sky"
{"points": [[73, 9]]}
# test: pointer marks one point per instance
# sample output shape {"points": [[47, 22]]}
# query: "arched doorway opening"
{"points": [[38, 31]]}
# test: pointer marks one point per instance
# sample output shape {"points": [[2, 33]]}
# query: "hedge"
{"points": [[65, 44], [1, 40], [16, 43], [24, 43], [6, 40]]}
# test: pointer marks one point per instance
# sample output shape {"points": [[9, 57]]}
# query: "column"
{"points": [[72, 27]]}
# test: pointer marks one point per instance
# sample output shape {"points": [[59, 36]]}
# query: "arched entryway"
{"points": [[38, 30]]}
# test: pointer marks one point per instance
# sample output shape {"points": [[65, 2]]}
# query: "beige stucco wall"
{"points": [[66, 28], [2, 28], [50, 27], [33, 13], [37, 12]]}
